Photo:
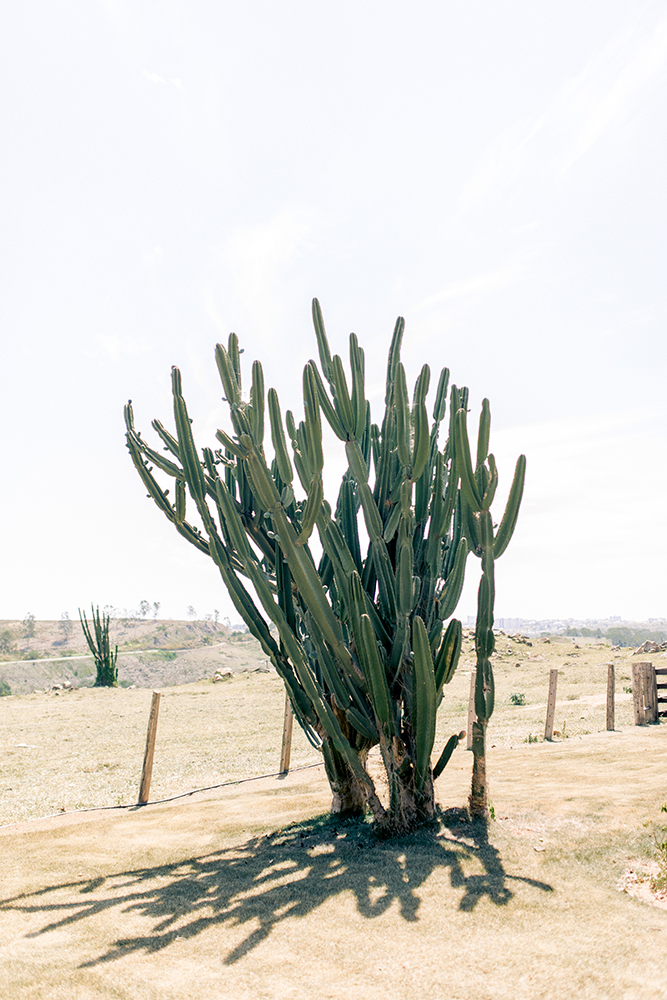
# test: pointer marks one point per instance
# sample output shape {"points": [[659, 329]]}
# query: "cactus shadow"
{"points": [[278, 877]]}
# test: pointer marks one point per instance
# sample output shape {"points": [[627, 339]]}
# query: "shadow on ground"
{"points": [[285, 874]]}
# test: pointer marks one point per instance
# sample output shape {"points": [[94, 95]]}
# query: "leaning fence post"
{"points": [[147, 771], [611, 690], [551, 705], [286, 750], [471, 709]]}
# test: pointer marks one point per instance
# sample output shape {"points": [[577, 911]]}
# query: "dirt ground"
{"points": [[249, 892]]}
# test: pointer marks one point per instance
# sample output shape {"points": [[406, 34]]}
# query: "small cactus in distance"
{"points": [[98, 643]]}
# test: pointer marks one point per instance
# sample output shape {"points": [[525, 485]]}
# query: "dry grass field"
{"points": [[249, 891], [78, 748]]}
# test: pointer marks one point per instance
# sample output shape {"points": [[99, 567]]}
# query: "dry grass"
{"points": [[251, 893], [77, 749]]}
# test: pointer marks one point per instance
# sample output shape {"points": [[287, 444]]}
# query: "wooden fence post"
{"points": [[611, 691], [471, 709], [147, 771], [551, 705], [644, 692], [650, 692], [286, 750]]}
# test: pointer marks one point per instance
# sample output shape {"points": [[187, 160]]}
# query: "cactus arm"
{"points": [[348, 523], [278, 438], [422, 436], [164, 464], [312, 510], [342, 400], [469, 525], [490, 490], [447, 658], [191, 467], [464, 462], [449, 596], [374, 527], [402, 416], [257, 403], [382, 704], [508, 522], [361, 723], [229, 444], [483, 434], [330, 414], [160, 498], [394, 357], [440, 404], [322, 342], [443, 760], [404, 567], [424, 702], [169, 441], [235, 352], [227, 376], [358, 399], [313, 424]]}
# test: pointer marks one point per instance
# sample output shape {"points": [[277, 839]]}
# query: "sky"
{"points": [[495, 173]]}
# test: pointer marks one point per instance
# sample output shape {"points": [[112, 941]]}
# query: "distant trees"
{"points": [[619, 635], [65, 625], [28, 626]]}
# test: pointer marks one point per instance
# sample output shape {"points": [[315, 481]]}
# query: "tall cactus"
{"points": [[478, 489], [361, 640]]}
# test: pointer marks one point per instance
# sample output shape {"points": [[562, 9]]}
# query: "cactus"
{"points": [[105, 660], [478, 489], [359, 639]]}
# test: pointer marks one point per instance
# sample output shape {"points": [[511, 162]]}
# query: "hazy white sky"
{"points": [[493, 172]]}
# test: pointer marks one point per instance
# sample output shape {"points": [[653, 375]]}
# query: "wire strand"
{"points": [[171, 798]]}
